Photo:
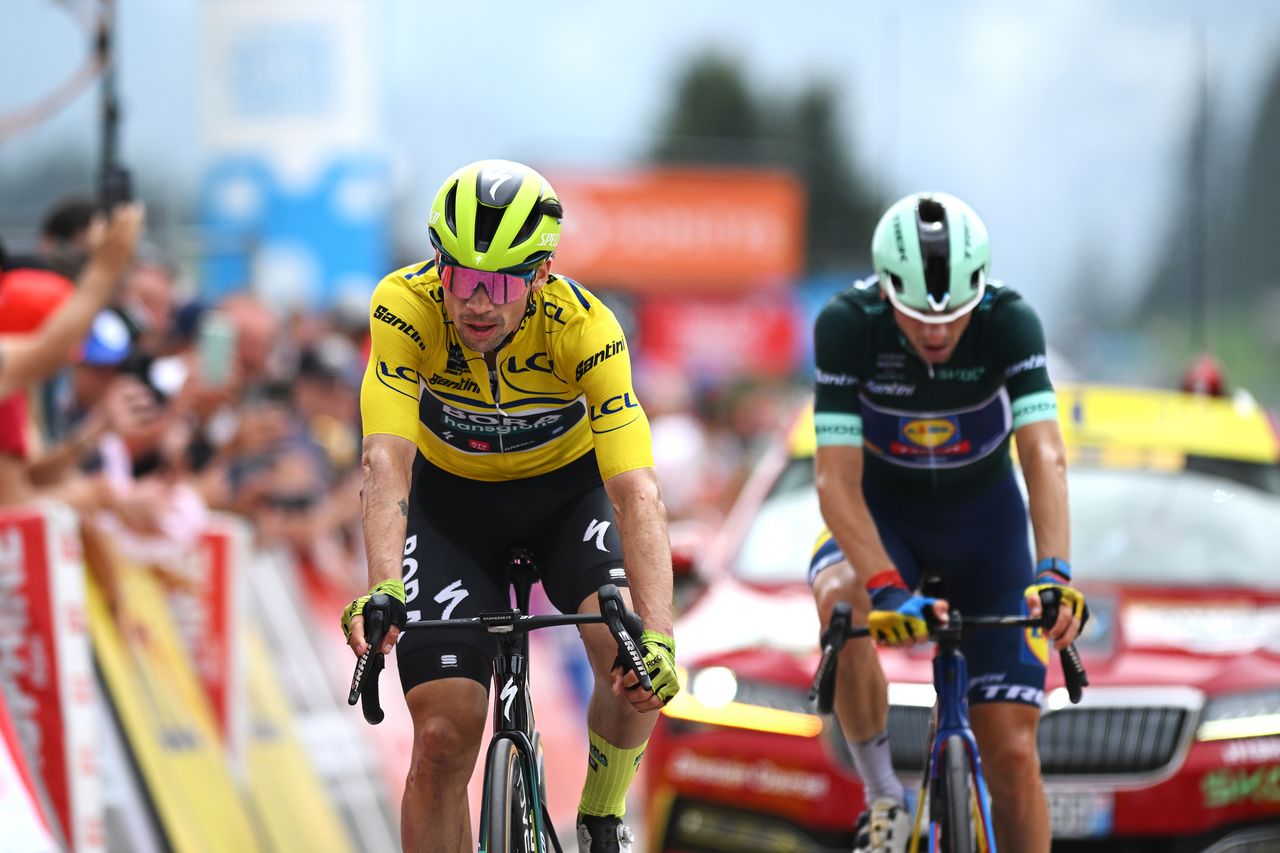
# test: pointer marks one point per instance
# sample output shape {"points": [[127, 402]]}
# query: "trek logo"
{"points": [[387, 316], [508, 696], [597, 528], [614, 405], [454, 594], [608, 352], [466, 383], [1012, 693], [538, 361]]}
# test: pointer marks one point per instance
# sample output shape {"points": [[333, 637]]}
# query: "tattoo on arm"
{"points": [[404, 507]]}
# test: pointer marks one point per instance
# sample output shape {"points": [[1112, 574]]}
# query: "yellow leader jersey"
{"points": [[562, 384]]}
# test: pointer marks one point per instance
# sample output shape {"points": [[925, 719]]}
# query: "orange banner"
{"points": [[691, 231]]}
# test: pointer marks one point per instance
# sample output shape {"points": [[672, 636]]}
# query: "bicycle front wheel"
{"points": [[509, 826], [957, 832]]}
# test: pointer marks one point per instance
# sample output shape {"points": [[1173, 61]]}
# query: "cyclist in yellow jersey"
{"points": [[498, 412]]}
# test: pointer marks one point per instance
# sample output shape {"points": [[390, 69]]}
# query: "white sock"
{"points": [[874, 764]]}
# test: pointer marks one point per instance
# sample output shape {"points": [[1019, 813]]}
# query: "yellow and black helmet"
{"points": [[496, 215]]}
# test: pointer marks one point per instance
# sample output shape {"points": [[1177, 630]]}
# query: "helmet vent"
{"points": [[487, 221], [935, 250]]}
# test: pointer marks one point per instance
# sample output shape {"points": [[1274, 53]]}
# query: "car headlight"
{"points": [[716, 696], [1241, 715]]}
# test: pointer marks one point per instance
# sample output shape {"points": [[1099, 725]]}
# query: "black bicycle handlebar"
{"points": [[840, 629], [623, 624]]}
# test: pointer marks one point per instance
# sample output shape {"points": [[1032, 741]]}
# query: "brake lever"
{"points": [[622, 623]]}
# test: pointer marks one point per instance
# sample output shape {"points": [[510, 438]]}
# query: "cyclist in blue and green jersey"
{"points": [[924, 374]]}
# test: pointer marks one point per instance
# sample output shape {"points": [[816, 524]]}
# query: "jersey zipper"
{"points": [[497, 404]]}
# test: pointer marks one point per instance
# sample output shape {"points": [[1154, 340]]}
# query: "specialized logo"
{"points": [[609, 351], [597, 528], [549, 241], [508, 696], [389, 317], [614, 405], [931, 432], [495, 179], [454, 594]]}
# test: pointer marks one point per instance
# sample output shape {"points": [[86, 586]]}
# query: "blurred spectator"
{"points": [[27, 358]]}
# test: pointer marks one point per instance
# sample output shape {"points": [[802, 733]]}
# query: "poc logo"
{"points": [[614, 405]]}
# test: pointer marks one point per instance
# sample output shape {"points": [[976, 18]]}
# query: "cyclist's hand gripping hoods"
{"points": [[1054, 576], [393, 610], [660, 659], [897, 616]]}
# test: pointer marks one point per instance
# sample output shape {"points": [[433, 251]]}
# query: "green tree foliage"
{"points": [[716, 118]]}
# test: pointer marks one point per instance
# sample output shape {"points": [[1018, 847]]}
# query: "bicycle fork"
{"points": [[950, 717]]}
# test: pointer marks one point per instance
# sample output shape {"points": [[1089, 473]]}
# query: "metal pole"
{"points": [[1199, 224], [112, 181]]}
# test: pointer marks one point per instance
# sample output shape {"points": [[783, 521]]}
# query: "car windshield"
{"points": [[1128, 526]]}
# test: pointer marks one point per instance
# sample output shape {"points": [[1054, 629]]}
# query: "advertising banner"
{"points": [[26, 829], [717, 339], [687, 231], [44, 655], [167, 722]]}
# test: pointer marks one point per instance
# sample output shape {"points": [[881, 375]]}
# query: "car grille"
{"points": [[1088, 741]]}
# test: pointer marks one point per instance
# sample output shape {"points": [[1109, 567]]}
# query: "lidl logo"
{"points": [[1037, 644], [929, 432]]}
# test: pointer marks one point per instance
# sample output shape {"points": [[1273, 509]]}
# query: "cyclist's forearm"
{"points": [[384, 500], [845, 512], [1044, 468], [642, 527]]}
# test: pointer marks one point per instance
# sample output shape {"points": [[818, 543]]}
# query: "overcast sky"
{"points": [[1062, 123]]}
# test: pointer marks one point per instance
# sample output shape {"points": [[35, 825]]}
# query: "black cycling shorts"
{"points": [[459, 535]]}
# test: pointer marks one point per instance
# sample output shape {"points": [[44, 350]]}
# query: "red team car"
{"points": [[1175, 514]]}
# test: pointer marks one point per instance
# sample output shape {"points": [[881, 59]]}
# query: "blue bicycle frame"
{"points": [[951, 717]]}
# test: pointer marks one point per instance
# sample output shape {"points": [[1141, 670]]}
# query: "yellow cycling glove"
{"points": [[659, 651], [395, 609]]}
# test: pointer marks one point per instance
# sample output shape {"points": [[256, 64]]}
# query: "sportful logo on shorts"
{"points": [[618, 574], [449, 661], [597, 528]]}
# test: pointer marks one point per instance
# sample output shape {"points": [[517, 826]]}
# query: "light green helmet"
{"points": [[931, 255], [496, 215]]}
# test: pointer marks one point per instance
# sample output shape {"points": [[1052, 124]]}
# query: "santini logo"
{"points": [[382, 313], [609, 351]]}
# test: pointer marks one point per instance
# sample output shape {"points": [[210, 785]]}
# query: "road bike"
{"points": [[953, 810], [514, 817]]}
